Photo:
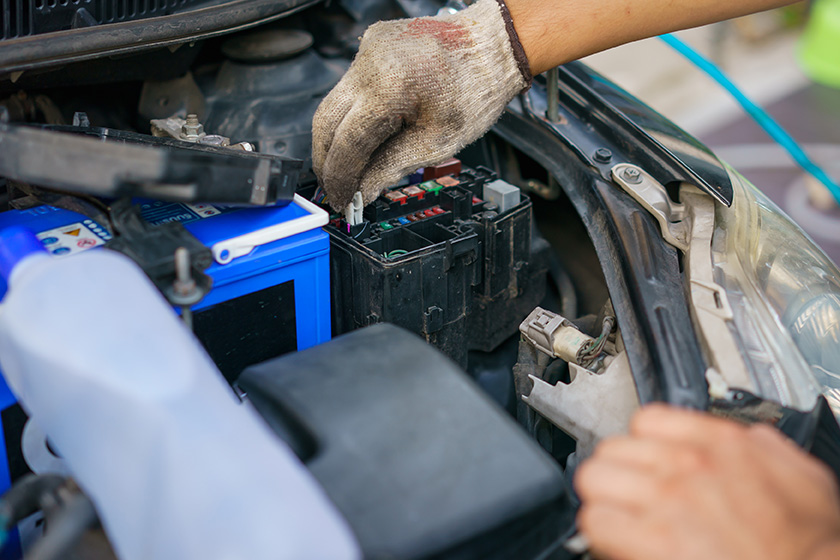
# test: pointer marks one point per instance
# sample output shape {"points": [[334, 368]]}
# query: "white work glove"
{"points": [[417, 92]]}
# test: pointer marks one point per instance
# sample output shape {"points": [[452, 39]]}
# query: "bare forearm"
{"points": [[556, 31], [830, 551]]}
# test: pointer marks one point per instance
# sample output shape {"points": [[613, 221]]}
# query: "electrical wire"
{"points": [[361, 231], [591, 354], [759, 115]]}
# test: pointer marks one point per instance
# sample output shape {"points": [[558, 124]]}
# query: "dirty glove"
{"points": [[418, 91]]}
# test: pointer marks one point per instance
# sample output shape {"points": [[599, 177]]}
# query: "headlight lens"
{"points": [[785, 296]]}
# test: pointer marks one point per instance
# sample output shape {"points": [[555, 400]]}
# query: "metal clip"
{"points": [[648, 192]]}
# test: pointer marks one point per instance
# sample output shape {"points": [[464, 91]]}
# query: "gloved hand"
{"points": [[417, 92]]}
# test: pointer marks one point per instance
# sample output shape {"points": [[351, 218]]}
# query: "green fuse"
{"points": [[385, 225], [430, 186]]}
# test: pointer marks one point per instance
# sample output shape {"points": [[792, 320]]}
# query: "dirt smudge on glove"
{"points": [[450, 35]]}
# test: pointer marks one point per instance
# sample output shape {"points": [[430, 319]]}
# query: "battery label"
{"points": [[73, 238], [157, 212]]}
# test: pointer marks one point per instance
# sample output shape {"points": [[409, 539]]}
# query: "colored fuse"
{"points": [[385, 225], [415, 191], [420, 215], [448, 181], [411, 218], [429, 213], [449, 167], [415, 177], [396, 196], [431, 186], [477, 200], [438, 210], [403, 221]]}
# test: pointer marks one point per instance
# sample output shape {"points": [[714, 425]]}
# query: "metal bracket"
{"points": [[648, 192], [592, 406]]}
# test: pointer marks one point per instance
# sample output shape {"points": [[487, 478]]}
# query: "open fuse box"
{"points": [[447, 256]]}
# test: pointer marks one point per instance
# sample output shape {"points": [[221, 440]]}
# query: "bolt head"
{"points": [[603, 155], [631, 175]]}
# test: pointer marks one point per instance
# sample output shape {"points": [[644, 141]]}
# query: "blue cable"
{"points": [[758, 114]]}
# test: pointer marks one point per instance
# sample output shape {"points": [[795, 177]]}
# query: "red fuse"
{"points": [[429, 212], [477, 200], [448, 181], [438, 210], [415, 191], [450, 167], [396, 196]]}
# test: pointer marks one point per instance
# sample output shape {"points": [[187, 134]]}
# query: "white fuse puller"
{"points": [[353, 212]]}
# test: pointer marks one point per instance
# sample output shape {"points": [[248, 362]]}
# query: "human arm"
{"points": [[554, 32], [421, 89], [687, 485]]}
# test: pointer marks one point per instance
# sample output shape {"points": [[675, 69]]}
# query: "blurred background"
{"points": [[788, 62]]}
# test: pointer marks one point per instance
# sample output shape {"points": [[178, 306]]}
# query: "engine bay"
{"points": [[474, 256]]}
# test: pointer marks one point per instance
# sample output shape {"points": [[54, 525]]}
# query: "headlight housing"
{"points": [[785, 297]]}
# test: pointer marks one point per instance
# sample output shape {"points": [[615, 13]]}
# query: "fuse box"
{"points": [[438, 259]]}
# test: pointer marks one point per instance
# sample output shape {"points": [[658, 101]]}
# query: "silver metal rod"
{"points": [[553, 94], [187, 317]]}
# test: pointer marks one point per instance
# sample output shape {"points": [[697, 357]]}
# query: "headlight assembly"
{"points": [[785, 297]]}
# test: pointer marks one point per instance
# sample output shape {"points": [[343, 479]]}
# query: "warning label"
{"points": [[73, 238]]}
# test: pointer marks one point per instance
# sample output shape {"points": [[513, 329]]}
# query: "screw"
{"points": [[603, 155], [184, 285], [632, 175]]}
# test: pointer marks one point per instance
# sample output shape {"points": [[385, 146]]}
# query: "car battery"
{"points": [[270, 276], [270, 293]]}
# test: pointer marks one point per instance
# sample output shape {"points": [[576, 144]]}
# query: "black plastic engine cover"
{"points": [[419, 461]]}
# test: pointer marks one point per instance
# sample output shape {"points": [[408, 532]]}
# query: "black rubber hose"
{"points": [[24, 497], [563, 281], [64, 529]]}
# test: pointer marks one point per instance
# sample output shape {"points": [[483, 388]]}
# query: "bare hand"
{"points": [[688, 486]]}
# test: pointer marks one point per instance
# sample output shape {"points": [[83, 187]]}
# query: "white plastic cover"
{"points": [[176, 466]]}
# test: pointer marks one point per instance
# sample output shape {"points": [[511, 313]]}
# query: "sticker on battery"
{"points": [[158, 212], [73, 238]]}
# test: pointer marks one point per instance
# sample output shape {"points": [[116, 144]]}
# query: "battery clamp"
{"points": [[153, 248]]}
